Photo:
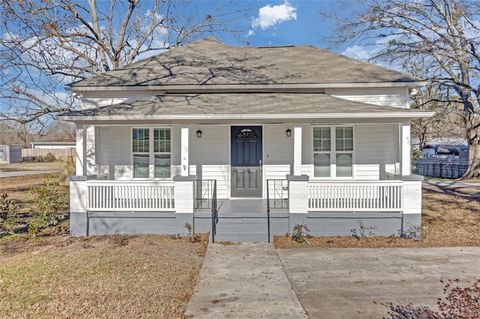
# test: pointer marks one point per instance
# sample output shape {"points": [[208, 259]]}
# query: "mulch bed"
{"points": [[449, 219]]}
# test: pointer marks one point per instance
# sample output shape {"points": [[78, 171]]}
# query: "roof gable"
{"points": [[211, 62]]}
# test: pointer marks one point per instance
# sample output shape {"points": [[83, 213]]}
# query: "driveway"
{"points": [[243, 281], [353, 283]]}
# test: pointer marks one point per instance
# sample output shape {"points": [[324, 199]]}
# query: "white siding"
{"points": [[93, 99], [209, 155], [374, 150], [114, 155], [395, 97]]}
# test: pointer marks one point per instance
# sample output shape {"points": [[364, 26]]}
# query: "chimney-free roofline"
{"points": [[227, 88]]}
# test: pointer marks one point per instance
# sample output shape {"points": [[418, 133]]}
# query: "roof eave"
{"points": [[247, 87], [293, 116]]}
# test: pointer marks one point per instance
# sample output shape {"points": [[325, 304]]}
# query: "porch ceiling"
{"points": [[241, 106]]}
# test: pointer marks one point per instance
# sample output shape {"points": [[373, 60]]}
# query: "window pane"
{"points": [[321, 165], [344, 139], [140, 140], [344, 165], [349, 144], [162, 165], [141, 166], [161, 140], [321, 139]]}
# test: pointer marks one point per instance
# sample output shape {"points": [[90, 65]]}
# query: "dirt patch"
{"points": [[98, 277], [449, 218]]}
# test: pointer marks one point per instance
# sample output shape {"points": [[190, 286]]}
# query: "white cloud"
{"points": [[357, 52], [269, 15]]}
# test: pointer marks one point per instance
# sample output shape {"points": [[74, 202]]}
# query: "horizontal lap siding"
{"points": [[278, 153], [375, 150], [114, 151], [395, 97], [209, 155]]}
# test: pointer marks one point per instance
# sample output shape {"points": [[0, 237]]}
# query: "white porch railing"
{"points": [[355, 196], [130, 196]]}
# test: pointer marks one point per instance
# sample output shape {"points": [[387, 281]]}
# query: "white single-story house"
{"points": [[246, 142]]}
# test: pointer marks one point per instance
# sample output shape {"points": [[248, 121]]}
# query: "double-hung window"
{"points": [[322, 148], [333, 151], [344, 151], [151, 156]]}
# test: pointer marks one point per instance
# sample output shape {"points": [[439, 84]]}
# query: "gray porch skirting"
{"points": [[246, 226]]}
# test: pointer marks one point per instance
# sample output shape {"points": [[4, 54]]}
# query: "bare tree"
{"points": [[46, 44], [444, 35]]}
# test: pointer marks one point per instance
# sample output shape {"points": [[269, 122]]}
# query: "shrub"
{"points": [[50, 158], [8, 214], [50, 203], [363, 231], [300, 233], [459, 303]]}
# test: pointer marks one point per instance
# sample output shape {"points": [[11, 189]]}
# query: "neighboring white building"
{"points": [[10, 154], [313, 137], [53, 145]]}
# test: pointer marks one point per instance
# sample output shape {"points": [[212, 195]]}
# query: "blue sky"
{"points": [[298, 21]]}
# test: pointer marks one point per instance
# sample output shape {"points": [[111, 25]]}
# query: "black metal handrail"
{"points": [[277, 191], [214, 206], [203, 190]]}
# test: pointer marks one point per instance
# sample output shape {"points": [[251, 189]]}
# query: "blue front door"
{"points": [[246, 160]]}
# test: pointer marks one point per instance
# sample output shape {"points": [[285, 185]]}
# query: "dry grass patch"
{"points": [[98, 277], [449, 218], [30, 166], [18, 189]]}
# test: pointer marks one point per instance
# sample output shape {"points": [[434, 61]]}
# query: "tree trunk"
{"points": [[473, 160]]}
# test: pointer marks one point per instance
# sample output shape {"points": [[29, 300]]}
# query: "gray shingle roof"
{"points": [[237, 103], [210, 62]]}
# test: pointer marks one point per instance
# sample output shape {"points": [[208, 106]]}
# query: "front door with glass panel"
{"points": [[246, 160]]}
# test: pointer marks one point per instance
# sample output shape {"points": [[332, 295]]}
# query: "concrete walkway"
{"points": [[243, 281]]}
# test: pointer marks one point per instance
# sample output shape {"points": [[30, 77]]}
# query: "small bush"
{"points": [[363, 231], [50, 203], [300, 233], [50, 158], [459, 303], [8, 214]]}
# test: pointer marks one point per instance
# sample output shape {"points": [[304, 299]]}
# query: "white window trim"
{"points": [[333, 152], [151, 153]]}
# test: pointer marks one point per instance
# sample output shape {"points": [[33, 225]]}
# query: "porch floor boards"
{"points": [[243, 207]]}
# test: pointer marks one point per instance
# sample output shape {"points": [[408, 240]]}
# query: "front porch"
{"points": [[387, 207], [261, 179]]}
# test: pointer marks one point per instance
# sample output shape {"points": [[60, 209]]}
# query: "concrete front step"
{"points": [[242, 229]]}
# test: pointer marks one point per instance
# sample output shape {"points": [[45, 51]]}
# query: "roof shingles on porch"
{"points": [[210, 62], [238, 103]]}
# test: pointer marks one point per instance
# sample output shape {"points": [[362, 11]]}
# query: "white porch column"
{"points": [[80, 150], [185, 169], [405, 149], [90, 150], [297, 150]]}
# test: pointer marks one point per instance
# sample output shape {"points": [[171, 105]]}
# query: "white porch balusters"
{"points": [[405, 148]]}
